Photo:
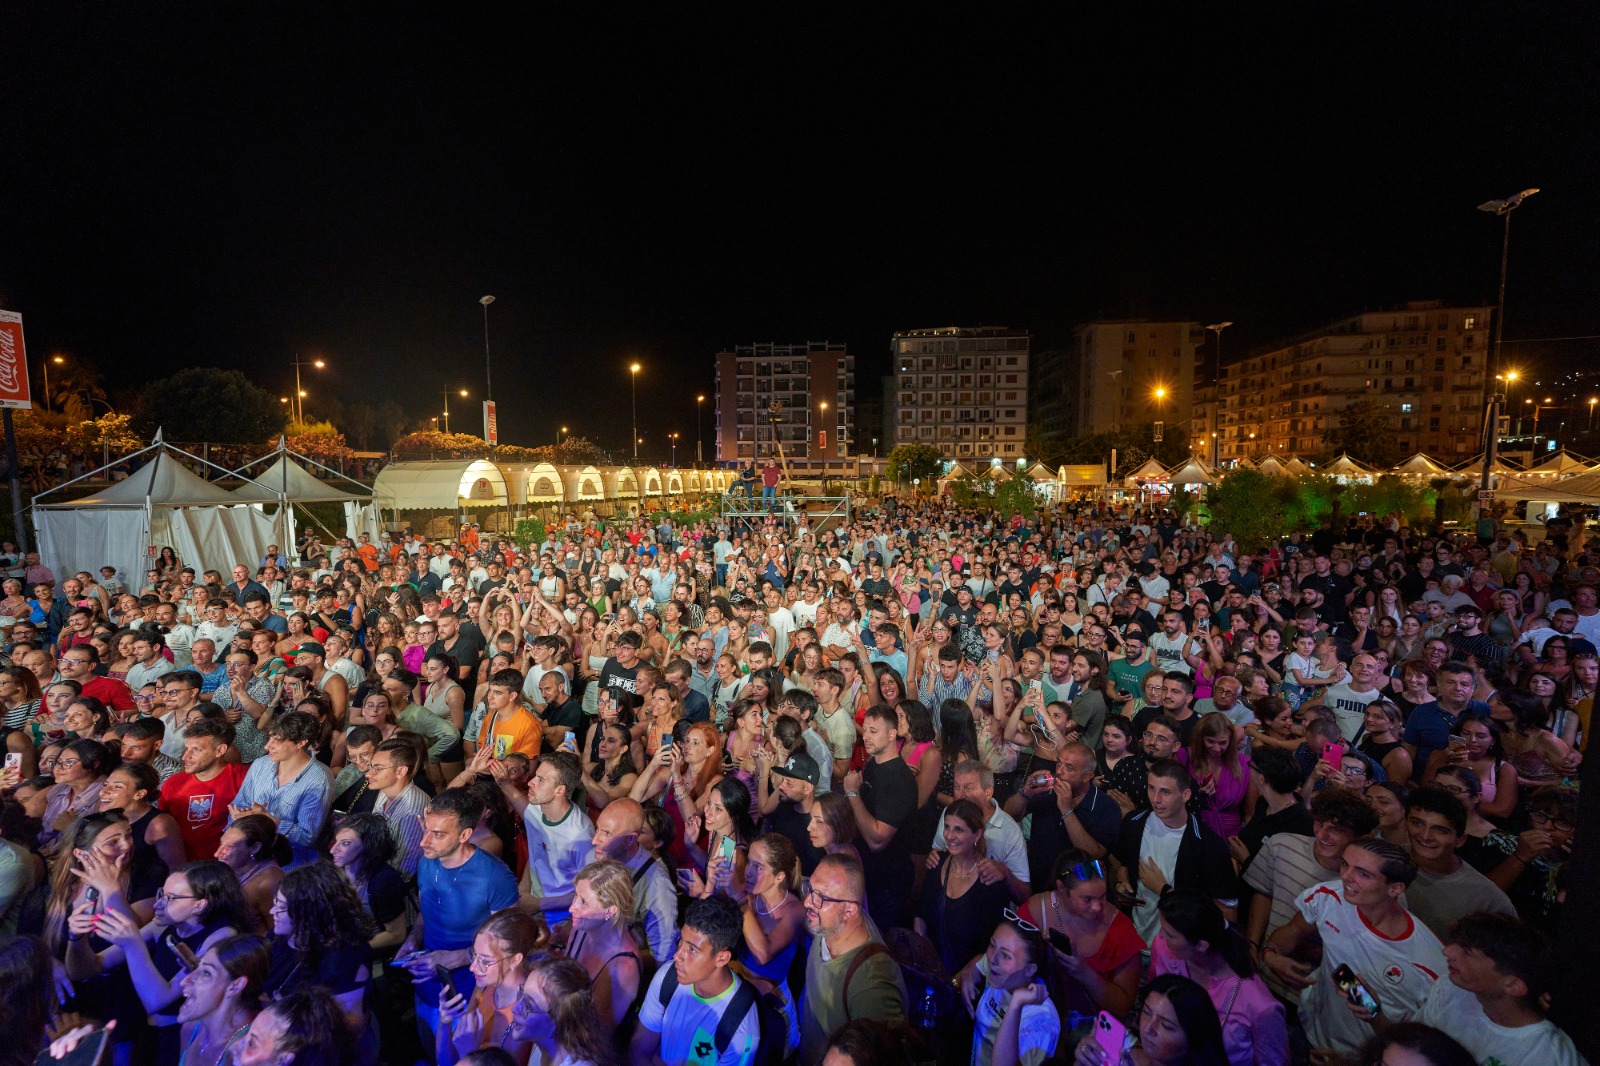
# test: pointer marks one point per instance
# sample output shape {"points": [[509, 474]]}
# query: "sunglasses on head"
{"points": [[1092, 870]]}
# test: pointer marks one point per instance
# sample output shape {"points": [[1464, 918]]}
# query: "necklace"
{"points": [[207, 1045], [768, 913]]}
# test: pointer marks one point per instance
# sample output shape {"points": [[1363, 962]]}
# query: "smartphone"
{"points": [[666, 740], [91, 1051], [186, 955], [1111, 1035], [1456, 741], [1332, 754], [1036, 685], [442, 975], [92, 895], [13, 761], [1354, 990], [1060, 941]]}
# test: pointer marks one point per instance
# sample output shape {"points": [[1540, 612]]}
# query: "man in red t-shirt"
{"points": [[78, 663], [769, 484], [199, 796]]}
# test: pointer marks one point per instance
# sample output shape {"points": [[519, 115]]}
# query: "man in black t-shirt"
{"points": [[883, 797], [458, 640], [622, 669], [562, 716], [795, 782]]}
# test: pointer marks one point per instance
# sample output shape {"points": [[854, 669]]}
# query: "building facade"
{"points": [[1134, 372], [963, 390], [802, 395], [1425, 365]]}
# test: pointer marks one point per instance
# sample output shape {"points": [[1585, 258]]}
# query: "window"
{"points": [[1405, 408], [1470, 322]]}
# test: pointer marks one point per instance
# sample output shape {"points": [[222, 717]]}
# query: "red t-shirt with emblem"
{"points": [[201, 807]]}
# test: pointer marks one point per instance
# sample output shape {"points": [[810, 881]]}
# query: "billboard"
{"points": [[14, 390], [491, 428]]}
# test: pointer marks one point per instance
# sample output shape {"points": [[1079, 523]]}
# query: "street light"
{"points": [[633, 380], [674, 438], [1503, 208], [1216, 391], [699, 406], [463, 392], [1592, 401], [1537, 407], [299, 409], [559, 432], [58, 361], [824, 443], [1510, 378]]}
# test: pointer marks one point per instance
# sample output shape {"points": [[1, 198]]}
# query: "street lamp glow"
{"points": [[633, 382], [58, 360], [1161, 392], [319, 364], [463, 392], [634, 368]]}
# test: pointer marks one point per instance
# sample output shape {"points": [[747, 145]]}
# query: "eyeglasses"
{"points": [[808, 893], [67, 764], [75, 662], [1454, 790], [1355, 771], [1021, 923], [162, 893], [380, 766], [483, 962], [1539, 818]]}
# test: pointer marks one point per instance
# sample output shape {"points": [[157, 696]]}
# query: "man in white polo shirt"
{"points": [[1007, 851], [560, 834]]}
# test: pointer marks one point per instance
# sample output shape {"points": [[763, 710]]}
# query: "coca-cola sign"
{"points": [[13, 363]]}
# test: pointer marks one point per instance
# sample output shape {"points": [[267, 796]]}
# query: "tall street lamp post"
{"points": [[673, 437], [699, 453], [463, 393], [1216, 393], [300, 393], [1503, 208], [633, 381]]}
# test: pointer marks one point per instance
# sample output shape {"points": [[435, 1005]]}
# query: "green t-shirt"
{"points": [[1128, 677]]}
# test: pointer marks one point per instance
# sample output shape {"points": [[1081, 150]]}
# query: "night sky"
{"points": [[187, 185]]}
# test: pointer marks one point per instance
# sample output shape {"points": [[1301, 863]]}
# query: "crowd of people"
{"points": [[930, 785]]}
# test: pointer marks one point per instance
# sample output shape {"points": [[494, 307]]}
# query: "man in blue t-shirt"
{"points": [[458, 886], [1430, 725]]}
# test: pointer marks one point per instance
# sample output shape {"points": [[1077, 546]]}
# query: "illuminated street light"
{"points": [[1502, 208], [699, 406], [298, 410], [633, 380]]}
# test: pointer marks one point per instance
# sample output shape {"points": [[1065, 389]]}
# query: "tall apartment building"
{"points": [[1123, 365], [1053, 393], [962, 390], [1424, 364], [800, 379]]}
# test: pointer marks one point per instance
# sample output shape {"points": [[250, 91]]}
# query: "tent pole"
{"points": [[100, 470]]}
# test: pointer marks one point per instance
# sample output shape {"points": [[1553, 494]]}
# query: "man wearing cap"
{"points": [[794, 784], [313, 657]]}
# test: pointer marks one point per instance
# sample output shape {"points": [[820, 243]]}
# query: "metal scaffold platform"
{"points": [[818, 512]]}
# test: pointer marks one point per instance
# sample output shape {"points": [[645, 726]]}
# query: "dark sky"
{"points": [[198, 184]]}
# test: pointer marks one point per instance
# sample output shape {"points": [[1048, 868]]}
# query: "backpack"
{"points": [[773, 1035]]}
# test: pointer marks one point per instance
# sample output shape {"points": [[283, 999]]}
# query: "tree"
{"points": [[909, 462], [1248, 504], [1364, 434], [208, 404]]}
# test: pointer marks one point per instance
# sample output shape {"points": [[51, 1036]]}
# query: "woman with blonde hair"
{"points": [[604, 938], [503, 950]]}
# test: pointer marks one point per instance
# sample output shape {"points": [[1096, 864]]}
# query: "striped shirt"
{"points": [[1283, 869], [404, 815], [251, 742]]}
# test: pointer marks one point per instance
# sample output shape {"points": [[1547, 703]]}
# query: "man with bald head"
{"points": [[616, 837]]}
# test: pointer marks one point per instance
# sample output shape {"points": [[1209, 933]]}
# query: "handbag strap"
{"points": [[1227, 1012]]}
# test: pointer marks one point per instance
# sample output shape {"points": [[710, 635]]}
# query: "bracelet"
{"points": [[851, 794], [1269, 948]]}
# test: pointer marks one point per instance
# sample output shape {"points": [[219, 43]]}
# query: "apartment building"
{"points": [[963, 390], [1424, 364], [1134, 372], [800, 394]]}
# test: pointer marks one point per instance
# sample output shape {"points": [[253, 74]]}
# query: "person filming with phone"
{"points": [[1377, 959]]}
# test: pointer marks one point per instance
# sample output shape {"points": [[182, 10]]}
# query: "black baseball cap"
{"points": [[801, 767]]}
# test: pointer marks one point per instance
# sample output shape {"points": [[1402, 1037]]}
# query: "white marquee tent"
{"points": [[286, 483], [162, 503]]}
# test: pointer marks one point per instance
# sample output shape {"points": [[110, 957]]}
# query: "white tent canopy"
{"points": [[1562, 463], [161, 503], [1420, 464], [440, 484], [1150, 471], [1348, 469], [285, 483], [1272, 466], [1192, 473]]}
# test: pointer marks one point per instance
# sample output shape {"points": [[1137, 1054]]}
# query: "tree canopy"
{"points": [[208, 404], [912, 461], [1365, 435]]}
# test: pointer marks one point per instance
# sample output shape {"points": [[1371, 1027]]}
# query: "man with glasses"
{"points": [[1532, 874], [850, 975], [391, 774], [78, 664]]}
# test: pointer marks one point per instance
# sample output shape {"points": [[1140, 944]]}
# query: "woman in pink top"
{"points": [[1195, 941], [1220, 774]]}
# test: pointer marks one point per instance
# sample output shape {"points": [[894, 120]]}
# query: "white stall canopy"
{"points": [[286, 482]]}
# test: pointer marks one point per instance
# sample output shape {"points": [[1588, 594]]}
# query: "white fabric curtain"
{"points": [[88, 539], [216, 538]]}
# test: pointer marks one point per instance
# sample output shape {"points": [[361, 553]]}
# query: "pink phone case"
{"points": [[1111, 1035]]}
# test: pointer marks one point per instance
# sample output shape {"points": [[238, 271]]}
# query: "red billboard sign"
{"points": [[14, 390], [491, 428]]}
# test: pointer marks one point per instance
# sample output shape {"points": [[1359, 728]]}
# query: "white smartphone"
{"points": [[14, 761]]}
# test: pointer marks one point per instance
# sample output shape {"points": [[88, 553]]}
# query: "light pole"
{"points": [[633, 381], [463, 392], [488, 374], [1216, 392], [824, 442], [673, 437], [1537, 407], [1510, 378], [1592, 401], [1503, 208], [699, 406], [58, 361], [559, 432], [300, 393]]}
